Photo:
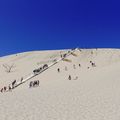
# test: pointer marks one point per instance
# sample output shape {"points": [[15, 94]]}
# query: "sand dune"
{"points": [[93, 93]]}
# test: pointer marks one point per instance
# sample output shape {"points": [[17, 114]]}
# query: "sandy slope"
{"points": [[95, 95]]}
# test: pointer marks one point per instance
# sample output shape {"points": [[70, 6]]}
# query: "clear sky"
{"points": [[27, 25]]}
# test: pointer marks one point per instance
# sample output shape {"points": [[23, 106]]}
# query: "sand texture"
{"points": [[92, 93]]}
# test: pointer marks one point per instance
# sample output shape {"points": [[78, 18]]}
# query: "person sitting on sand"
{"points": [[93, 65]]}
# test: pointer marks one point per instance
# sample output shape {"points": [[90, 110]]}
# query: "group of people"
{"points": [[8, 88], [74, 67], [34, 83], [14, 83], [11, 86], [69, 77], [3, 89], [92, 64]]}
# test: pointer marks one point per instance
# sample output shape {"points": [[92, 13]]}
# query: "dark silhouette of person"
{"points": [[58, 69], [10, 88], [69, 78], [5, 88], [31, 84], [1, 90], [21, 79], [13, 83]]}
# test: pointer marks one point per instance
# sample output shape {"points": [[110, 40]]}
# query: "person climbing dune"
{"points": [[13, 84], [58, 70], [1, 90], [69, 77]]}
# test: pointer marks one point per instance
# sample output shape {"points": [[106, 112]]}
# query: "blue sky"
{"points": [[27, 25]]}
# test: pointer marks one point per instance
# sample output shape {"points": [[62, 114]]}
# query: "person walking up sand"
{"points": [[58, 70], [5, 88], [1, 90], [13, 84], [31, 84], [69, 78]]}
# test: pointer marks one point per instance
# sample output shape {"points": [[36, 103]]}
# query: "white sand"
{"points": [[95, 95]]}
